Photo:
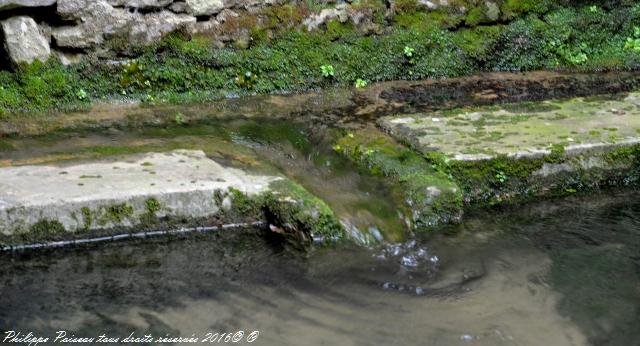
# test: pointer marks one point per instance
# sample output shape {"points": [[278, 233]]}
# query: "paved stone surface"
{"points": [[524, 130], [183, 183]]}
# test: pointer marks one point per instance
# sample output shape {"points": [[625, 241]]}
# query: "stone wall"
{"points": [[37, 29]]}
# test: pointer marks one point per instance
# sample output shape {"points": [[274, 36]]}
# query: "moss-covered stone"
{"points": [[87, 218], [503, 179], [291, 211], [44, 230], [430, 196]]}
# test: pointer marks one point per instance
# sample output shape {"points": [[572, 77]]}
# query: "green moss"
{"points": [[44, 230], [557, 154], [87, 217], [152, 205], [290, 207], [475, 17], [292, 204], [115, 214], [90, 177], [508, 180], [515, 8], [5, 146], [431, 197]]}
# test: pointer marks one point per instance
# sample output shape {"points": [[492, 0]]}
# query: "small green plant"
{"points": [[152, 205], [88, 218], [247, 80], [593, 8], [327, 71], [133, 75], [179, 119], [408, 51], [633, 43], [81, 94], [501, 177], [575, 55], [557, 154], [361, 83], [578, 58]]}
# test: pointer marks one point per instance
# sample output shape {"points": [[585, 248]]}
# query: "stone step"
{"points": [[526, 150], [127, 194]]}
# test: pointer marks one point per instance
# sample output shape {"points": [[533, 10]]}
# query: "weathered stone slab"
{"points": [[119, 192], [23, 40], [155, 26], [524, 130], [204, 7], [11, 4], [529, 150]]}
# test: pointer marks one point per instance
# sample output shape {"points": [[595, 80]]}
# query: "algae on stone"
{"points": [[519, 152], [430, 196]]}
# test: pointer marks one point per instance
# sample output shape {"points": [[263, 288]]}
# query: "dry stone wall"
{"points": [[36, 29]]}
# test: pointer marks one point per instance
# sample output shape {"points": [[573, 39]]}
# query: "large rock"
{"points": [[76, 37], [97, 19], [314, 21], [23, 40], [11, 4], [71, 9], [205, 7], [156, 25]]}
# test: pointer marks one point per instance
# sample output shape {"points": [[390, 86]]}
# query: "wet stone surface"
{"points": [[80, 197], [522, 130]]}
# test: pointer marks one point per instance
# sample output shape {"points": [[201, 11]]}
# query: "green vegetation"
{"points": [[87, 217], [44, 230], [360, 83], [153, 205], [430, 196], [327, 71], [633, 43], [509, 180], [292, 210], [117, 213], [515, 36]]}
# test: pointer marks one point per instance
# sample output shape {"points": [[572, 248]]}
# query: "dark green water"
{"points": [[559, 273]]}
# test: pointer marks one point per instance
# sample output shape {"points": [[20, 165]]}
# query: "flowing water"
{"points": [[299, 150], [562, 273], [555, 273]]}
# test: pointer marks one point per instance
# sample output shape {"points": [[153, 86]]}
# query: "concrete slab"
{"points": [[81, 197], [522, 130]]}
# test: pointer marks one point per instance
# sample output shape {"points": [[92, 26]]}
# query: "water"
{"points": [[300, 150], [557, 273], [561, 273]]}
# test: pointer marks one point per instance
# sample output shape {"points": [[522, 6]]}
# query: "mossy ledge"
{"points": [[429, 196]]}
